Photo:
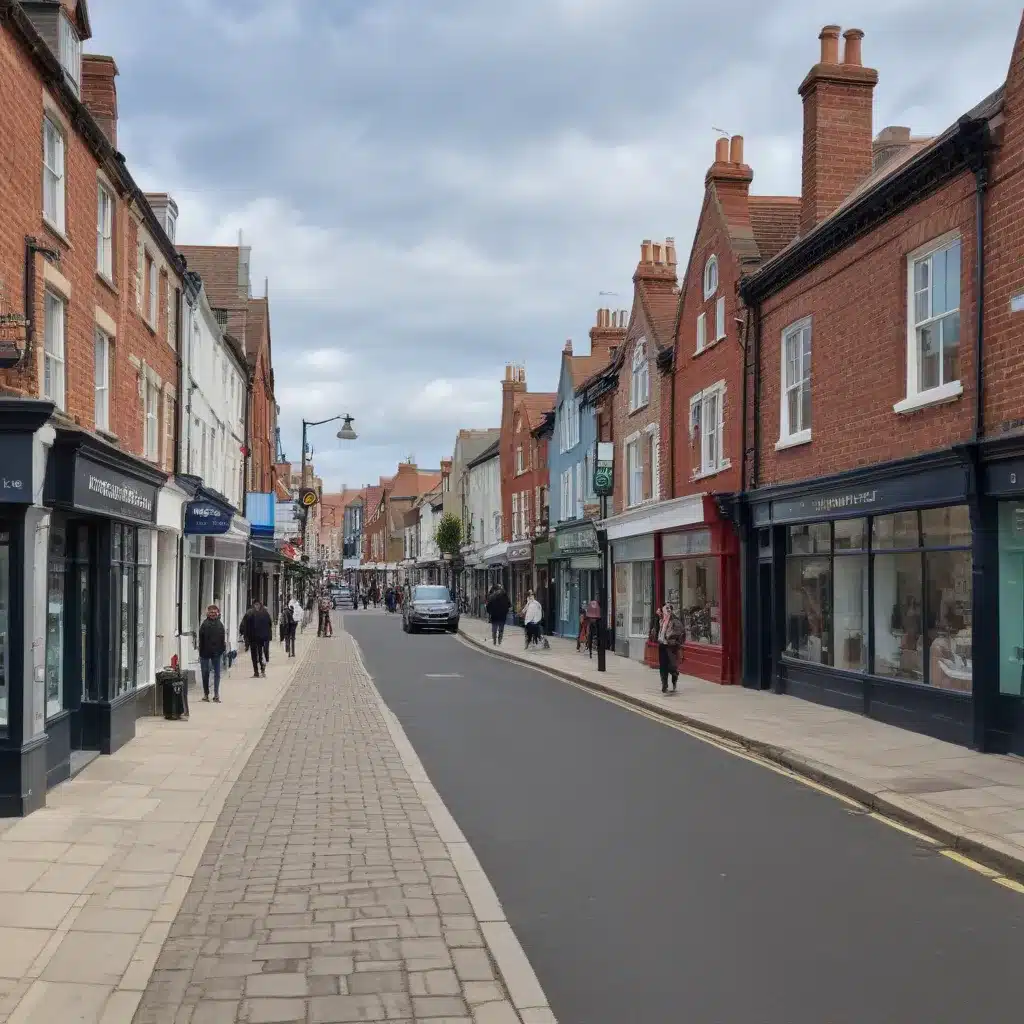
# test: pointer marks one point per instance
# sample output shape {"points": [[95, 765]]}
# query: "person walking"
{"points": [[671, 637], [324, 608], [498, 605], [257, 629], [212, 642], [533, 616], [289, 626], [296, 607]]}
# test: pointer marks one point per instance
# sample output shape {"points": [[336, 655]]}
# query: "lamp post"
{"points": [[345, 434]]}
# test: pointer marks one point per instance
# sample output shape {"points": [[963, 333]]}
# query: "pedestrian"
{"points": [[289, 626], [296, 608], [533, 616], [324, 616], [498, 605], [671, 637], [257, 629], [212, 642], [366, 597]]}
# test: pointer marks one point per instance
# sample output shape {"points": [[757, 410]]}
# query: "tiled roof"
{"points": [[217, 265], [584, 367], [775, 221], [659, 306], [535, 404], [257, 327]]}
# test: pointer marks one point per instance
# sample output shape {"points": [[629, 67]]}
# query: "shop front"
{"points": [[544, 585], [576, 570], [496, 568], [699, 575], [520, 560], [864, 592], [99, 596]]}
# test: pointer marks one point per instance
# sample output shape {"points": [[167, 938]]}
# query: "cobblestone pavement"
{"points": [[326, 893]]}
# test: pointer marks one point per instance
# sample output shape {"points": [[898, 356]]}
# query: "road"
{"points": [[652, 877]]}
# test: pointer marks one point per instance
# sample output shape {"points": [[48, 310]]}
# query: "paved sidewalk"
{"points": [[336, 887], [90, 884], [972, 802]]}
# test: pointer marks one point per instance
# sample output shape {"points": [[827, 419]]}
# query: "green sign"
{"points": [[603, 480]]}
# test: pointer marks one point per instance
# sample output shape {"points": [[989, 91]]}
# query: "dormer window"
{"points": [[69, 50], [710, 277], [170, 225]]}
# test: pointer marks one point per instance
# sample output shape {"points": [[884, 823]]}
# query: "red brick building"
{"points": [[90, 287], [877, 541]]}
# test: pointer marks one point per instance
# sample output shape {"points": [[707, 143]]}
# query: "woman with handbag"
{"points": [[671, 637]]}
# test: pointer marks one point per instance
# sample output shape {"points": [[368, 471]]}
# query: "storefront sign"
{"points": [[16, 468], [206, 517], [936, 487], [604, 469], [580, 540], [520, 551], [692, 542], [308, 498], [633, 549], [1005, 478], [110, 493], [541, 552]]}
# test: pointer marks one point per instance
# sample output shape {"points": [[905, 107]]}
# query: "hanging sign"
{"points": [[308, 498], [206, 517], [604, 466]]}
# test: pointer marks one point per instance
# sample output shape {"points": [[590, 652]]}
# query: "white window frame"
{"points": [[710, 276], [515, 516], [54, 173], [946, 391], [633, 467], [519, 460], [101, 379], [153, 292], [711, 429], [69, 50], [720, 318], [566, 495], [639, 377], [151, 420], [655, 439], [702, 332], [788, 437], [579, 490], [54, 348], [104, 231]]}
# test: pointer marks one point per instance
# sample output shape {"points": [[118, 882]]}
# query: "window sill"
{"points": [[710, 345], [108, 436], [794, 440], [933, 396], [704, 474], [639, 408], [56, 231], [107, 283]]}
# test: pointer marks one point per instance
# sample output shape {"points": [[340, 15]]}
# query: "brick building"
{"points": [[90, 287], [879, 555]]}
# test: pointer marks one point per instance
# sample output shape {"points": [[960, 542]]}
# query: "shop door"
{"points": [[764, 619], [1011, 618]]}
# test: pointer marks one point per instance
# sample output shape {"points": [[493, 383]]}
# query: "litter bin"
{"points": [[174, 693]]}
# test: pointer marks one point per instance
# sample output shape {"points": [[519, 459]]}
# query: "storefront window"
{"points": [[640, 617], [920, 565], [55, 624], [691, 587], [1011, 598], [128, 606], [621, 596], [5, 623], [81, 585], [142, 584]]}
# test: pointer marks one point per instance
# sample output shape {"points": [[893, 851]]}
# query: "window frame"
{"points": [[788, 437], [105, 232], [702, 333], [720, 318], [152, 310], [57, 218], [711, 277], [633, 466], [639, 377], [151, 421], [947, 391], [56, 361], [519, 460], [698, 424], [68, 37], [101, 340]]}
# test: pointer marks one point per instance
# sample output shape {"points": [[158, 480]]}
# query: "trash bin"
{"points": [[174, 695]]}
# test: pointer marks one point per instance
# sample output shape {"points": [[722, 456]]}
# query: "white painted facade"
{"points": [[483, 505], [429, 518]]}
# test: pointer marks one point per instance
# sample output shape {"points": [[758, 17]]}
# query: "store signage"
{"points": [[909, 491], [692, 542], [110, 493], [520, 551], [308, 498], [259, 510], [580, 540], [16, 469], [1005, 478], [206, 517], [604, 469]]}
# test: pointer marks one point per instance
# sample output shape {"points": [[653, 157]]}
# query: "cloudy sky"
{"points": [[433, 188]]}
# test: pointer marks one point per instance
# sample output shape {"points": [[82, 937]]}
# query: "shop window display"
{"points": [[55, 624], [692, 588], [5, 623], [1011, 598]]}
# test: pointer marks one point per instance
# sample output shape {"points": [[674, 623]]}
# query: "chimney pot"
{"points": [[656, 250], [645, 251], [670, 251], [736, 149], [722, 151], [830, 44], [567, 347], [851, 49]]}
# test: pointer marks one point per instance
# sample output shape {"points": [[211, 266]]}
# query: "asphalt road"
{"points": [[653, 878]]}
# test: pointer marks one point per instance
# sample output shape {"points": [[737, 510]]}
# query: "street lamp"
{"points": [[346, 433]]}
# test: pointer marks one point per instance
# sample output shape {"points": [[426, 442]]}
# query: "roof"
{"points": [[341, 499], [492, 451], [584, 367], [659, 306], [535, 404], [775, 221]]}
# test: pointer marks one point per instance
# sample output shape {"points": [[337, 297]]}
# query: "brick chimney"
{"points": [[837, 146], [657, 261], [513, 384], [99, 93], [609, 332], [731, 178]]}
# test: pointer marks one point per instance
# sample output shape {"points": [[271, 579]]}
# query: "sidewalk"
{"points": [[973, 803], [90, 884]]}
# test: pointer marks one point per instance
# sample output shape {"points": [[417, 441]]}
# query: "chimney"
{"points": [[513, 384], [567, 347], [657, 261], [608, 332], [837, 145], [99, 93]]}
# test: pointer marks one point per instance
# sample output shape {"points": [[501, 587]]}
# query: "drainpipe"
{"points": [[980, 188], [672, 429], [743, 413]]}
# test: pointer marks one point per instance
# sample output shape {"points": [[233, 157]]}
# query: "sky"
{"points": [[435, 188]]}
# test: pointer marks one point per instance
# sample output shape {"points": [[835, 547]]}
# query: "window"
{"points": [[171, 227], [702, 332], [53, 349], [720, 318], [933, 345], [69, 50], [130, 604], [5, 623], [519, 459], [641, 598], [565, 512], [54, 672], [172, 325], [104, 232], [710, 277], [707, 420], [634, 472], [796, 384], [515, 516], [691, 587], [579, 490], [101, 372], [140, 278], [640, 379], [655, 443], [902, 582], [151, 438], [53, 174], [569, 433], [152, 292]]}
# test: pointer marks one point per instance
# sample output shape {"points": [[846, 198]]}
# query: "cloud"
{"points": [[433, 189]]}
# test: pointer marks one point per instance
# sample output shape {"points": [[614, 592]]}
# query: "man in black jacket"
{"points": [[498, 605], [212, 645], [257, 630]]}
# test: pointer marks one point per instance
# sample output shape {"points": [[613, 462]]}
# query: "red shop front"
{"points": [[697, 571]]}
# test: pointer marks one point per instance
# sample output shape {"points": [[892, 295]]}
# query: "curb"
{"points": [[971, 844]]}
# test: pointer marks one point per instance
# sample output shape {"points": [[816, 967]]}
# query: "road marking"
{"points": [[443, 675], [733, 748]]}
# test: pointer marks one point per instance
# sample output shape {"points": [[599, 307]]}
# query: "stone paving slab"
{"points": [[972, 802], [91, 883], [333, 887]]}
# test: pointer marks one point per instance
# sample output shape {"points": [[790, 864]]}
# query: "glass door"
{"points": [[1011, 598], [5, 623]]}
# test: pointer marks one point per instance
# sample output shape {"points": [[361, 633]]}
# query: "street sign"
{"points": [[604, 469], [308, 498]]}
